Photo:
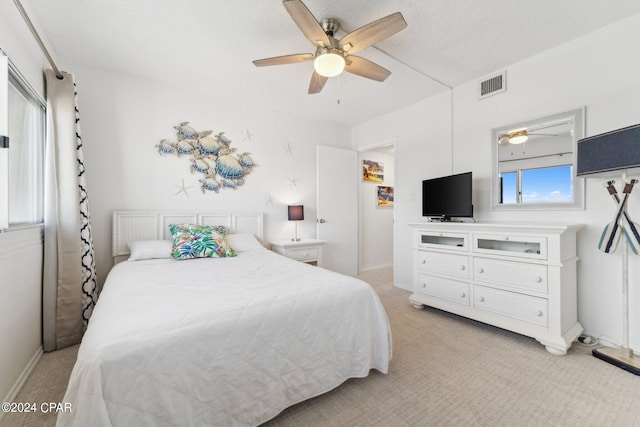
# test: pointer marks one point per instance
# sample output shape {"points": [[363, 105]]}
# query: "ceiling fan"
{"points": [[332, 56]]}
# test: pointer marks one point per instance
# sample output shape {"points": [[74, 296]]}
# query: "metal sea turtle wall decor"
{"points": [[210, 156]]}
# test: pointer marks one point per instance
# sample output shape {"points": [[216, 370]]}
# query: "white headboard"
{"points": [[129, 226]]}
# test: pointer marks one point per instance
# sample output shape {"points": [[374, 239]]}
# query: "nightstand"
{"points": [[305, 250]]}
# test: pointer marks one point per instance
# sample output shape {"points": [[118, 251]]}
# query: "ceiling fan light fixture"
{"points": [[329, 64], [518, 137]]}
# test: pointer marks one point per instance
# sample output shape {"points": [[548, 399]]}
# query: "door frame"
{"points": [[391, 142]]}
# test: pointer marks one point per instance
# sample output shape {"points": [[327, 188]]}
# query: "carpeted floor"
{"points": [[446, 371], [47, 383]]}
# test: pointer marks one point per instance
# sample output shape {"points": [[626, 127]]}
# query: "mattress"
{"points": [[222, 341]]}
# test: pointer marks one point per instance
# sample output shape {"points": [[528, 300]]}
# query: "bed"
{"points": [[217, 341]]}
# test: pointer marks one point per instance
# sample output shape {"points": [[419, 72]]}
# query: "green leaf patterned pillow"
{"points": [[200, 241]]}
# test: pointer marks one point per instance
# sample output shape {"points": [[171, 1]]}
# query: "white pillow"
{"points": [[244, 242], [150, 249]]}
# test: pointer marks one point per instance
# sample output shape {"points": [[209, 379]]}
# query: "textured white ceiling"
{"points": [[209, 45]]}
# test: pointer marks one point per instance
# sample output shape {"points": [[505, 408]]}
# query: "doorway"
{"points": [[376, 208]]}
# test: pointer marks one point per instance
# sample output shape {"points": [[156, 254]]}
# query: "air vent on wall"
{"points": [[493, 85]]}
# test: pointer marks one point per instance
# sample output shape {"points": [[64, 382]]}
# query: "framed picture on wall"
{"points": [[384, 196], [372, 171]]}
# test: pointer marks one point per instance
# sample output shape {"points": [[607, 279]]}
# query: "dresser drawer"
{"points": [[443, 240], [516, 246], [440, 287], [454, 265], [523, 307], [528, 277], [302, 254]]}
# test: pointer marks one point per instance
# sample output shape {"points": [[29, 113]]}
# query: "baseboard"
{"points": [[24, 376], [375, 267], [404, 286]]}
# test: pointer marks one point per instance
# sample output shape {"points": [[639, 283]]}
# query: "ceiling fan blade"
{"points": [[503, 139], [307, 23], [365, 68], [317, 83], [373, 33], [281, 60]]}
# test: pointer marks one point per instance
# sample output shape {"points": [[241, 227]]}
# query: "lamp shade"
{"points": [[296, 213], [602, 155]]}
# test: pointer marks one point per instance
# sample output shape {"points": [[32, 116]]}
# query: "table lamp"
{"points": [[296, 213]]}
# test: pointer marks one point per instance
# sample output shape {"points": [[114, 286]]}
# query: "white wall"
{"points": [[124, 117], [423, 150], [20, 307], [20, 251], [375, 223], [596, 71], [19, 45]]}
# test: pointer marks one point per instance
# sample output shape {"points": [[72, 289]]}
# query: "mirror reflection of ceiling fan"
{"points": [[332, 56], [520, 136]]}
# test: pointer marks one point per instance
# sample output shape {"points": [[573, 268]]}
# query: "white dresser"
{"points": [[517, 277]]}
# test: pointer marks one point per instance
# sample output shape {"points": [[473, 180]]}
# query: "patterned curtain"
{"points": [[69, 282]]}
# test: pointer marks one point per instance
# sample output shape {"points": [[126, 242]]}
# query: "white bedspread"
{"points": [[228, 341]]}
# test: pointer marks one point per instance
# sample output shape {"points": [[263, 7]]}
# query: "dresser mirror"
{"points": [[534, 163]]}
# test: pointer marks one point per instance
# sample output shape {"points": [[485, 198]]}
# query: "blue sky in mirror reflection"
{"points": [[542, 185]]}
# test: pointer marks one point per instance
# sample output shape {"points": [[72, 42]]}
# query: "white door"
{"points": [[337, 177]]}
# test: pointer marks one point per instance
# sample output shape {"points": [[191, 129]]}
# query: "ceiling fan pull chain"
{"points": [[339, 91]]}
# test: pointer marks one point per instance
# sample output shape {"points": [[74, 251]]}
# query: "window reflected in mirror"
{"points": [[534, 163]]}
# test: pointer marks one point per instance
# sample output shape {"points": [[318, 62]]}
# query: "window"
{"points": [[539, 185], [547, 185], [23, 161], [534, 164], [509, 187]]}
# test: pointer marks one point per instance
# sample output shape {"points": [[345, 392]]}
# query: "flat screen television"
{"points": [[448, 196]]}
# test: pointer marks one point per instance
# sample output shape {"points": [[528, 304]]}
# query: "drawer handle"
{"points": [[424, 285], [506, 238], [424, 261], [538, 279], [462, 295], [480, 270], [481, 299], [462, 267], [539, 313]]}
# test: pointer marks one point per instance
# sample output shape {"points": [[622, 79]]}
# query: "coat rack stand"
{"points": [[599, 156], [622, 357]]}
